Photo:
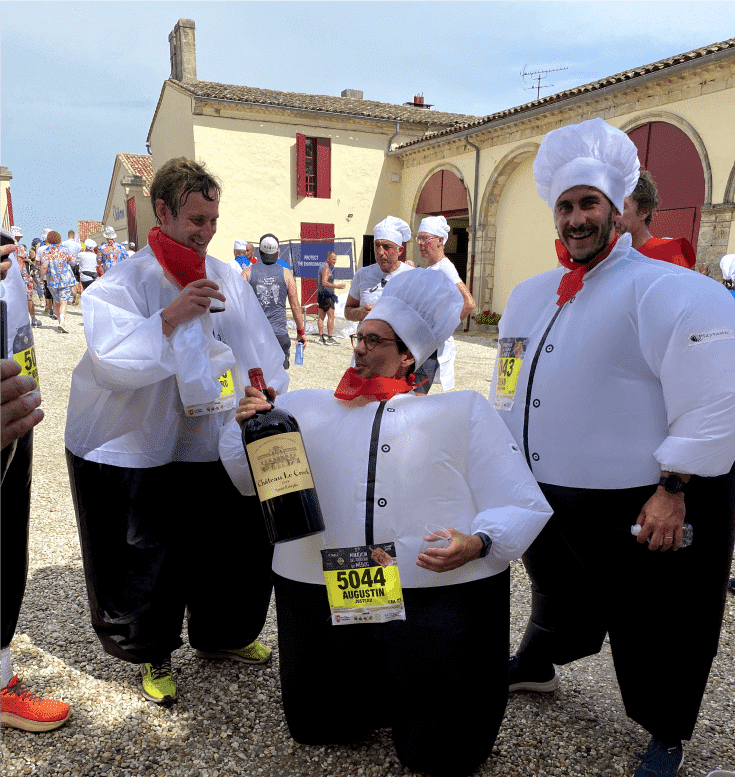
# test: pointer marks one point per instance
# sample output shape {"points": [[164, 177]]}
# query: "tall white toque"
{"points": [[423, 307], [240, 245], [592, 153], [436, 225], [394, 229]]}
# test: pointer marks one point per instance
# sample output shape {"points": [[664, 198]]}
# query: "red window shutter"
{"points": [[300, 165], [324, 168], [10, 208], [132, 223]]}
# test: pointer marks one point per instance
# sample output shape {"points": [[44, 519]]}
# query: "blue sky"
{"points": [[80, 81]]}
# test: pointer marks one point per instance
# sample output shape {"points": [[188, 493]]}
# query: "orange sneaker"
{"points": [[23, 709]]}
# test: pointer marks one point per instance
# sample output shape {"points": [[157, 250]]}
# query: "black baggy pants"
{"points": [[439, 679], [158, 542], [15, 504], [662, 611]]}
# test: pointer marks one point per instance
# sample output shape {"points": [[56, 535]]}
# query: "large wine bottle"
{"points": [[281, 471]]}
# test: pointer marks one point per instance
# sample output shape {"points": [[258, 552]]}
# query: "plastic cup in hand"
{"points": [[216, 305], [435, 536]]}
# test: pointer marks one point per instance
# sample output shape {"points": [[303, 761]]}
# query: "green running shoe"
{"points": [[158, 682], [254, 653]]}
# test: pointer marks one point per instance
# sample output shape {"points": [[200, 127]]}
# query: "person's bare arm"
{"points": [[354, 311], [293, 301], [468, 301]]}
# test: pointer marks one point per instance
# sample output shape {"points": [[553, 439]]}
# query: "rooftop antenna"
{"points": [[538, 75]]}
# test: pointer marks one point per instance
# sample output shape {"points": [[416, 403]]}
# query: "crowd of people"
{"points": [[599, 444]]}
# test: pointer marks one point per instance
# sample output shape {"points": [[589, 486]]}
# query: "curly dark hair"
{"points": [[645, 195], [177, 179]]}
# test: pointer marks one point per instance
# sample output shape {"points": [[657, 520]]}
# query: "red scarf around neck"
{"points": [[352, 386], [571, 282], [184, 264]]}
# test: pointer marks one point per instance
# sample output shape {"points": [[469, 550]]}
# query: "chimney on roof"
{"points": [[356, 94], [183, 51], [418, 102]]}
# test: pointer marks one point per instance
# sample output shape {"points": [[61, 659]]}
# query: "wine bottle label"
{"points": [[279, 465], [225, 401], [363, 584]]}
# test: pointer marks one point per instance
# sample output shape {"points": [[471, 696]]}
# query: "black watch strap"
{"points": [[673, 484], [486, 543]]}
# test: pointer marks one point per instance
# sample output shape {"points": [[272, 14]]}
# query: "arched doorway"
{"points": [[444, 194], [674, 162]]}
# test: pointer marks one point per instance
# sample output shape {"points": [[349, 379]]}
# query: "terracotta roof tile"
{"points": [[626, 75], [87, 228], [348, 106], [139, 164]]}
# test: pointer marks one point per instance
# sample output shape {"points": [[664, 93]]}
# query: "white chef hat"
{"points": [[241, 245], [423, 307], [16, 231], [592, 153], [436, 225], [90, 244], [727, 265], [109, 233], [394, 229]]}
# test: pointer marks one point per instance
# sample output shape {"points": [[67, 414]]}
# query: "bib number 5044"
{"points": [[353, 578]]}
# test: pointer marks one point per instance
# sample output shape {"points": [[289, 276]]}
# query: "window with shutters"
{"points": [[313, 167]]}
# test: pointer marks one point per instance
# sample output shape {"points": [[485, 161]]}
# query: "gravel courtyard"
{"points": [[228, 719]]}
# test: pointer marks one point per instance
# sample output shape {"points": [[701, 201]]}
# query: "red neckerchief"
{"points": [[352, 386], [572, 282], [184, 264]]}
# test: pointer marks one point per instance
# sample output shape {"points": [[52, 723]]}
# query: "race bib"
{"points": [[225, 401], [363, 584], [511, 352], [27, 361]]}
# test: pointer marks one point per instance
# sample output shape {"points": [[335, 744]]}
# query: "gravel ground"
{"points": [[228, 719]]}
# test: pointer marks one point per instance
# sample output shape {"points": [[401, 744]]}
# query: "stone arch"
{"points": [[461, 225], [689, 131], [436, 168], [487, 215], [729, 197]]}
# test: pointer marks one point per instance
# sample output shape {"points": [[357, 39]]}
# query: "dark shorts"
{"points": [[326, 300]]}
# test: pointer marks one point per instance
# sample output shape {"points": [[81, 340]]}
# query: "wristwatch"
{"points": [[486, 543], [673, 484]]}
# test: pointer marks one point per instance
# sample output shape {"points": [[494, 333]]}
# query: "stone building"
{"points": [[128, 207], [680, 113], [297, 165]]}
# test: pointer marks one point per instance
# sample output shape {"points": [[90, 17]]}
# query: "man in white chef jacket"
{"points": [[161, 528], [389, 237], [432, 236], [398, 635], [616, 377]]}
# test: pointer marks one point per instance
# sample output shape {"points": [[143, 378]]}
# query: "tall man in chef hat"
{"points": [[616, 376], [431, 238], [390, 238], [446, 458]]}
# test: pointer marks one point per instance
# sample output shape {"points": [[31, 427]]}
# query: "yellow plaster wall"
{"points": [[525, 235], [172, 134], [255, 160]]}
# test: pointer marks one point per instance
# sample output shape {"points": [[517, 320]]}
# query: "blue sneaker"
{"points": [[659, 760]]}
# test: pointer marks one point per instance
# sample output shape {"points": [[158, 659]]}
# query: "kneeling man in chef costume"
{"points": [[374, 631], [616, 375]]}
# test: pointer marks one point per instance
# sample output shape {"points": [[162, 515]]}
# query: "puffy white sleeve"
{"points": [[687, 335], [124, 339], [511, 508]]}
